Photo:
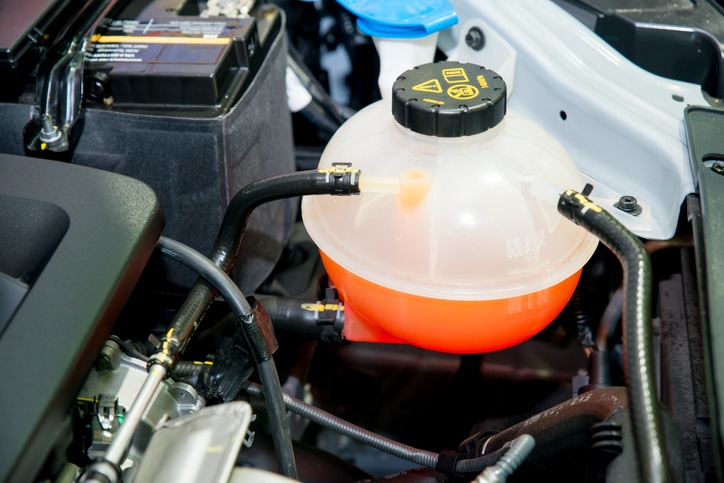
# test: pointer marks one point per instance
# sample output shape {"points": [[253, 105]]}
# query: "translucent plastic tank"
{"points": [[455, 243]]}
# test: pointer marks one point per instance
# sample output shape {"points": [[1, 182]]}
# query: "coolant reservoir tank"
{"points": [[455, 243]]}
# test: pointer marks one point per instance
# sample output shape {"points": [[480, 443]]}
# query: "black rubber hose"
{"points": [[564, 427], [639, 369], [190, 372], [361, 435], [306, 318], [341, 181], [302, 183], [267, 371], [612, 314], [289, 315], [188, 369]]}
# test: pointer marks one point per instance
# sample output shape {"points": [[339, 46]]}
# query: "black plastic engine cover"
{"points": [[83, 240]]}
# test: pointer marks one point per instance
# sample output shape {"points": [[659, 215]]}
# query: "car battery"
{"points": [[190, 103]]}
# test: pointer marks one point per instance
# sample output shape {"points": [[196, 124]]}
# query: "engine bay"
{"points": [[358, 241]]}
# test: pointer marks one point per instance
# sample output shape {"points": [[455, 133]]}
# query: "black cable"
{"points": [[361, 435], [267, 371], [639, 361], [583, 320]]}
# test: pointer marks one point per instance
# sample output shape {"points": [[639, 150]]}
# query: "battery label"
{"points": [[191, 50], [173, 27], [118, 53]]}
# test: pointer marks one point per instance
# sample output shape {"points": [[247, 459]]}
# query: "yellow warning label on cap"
{"points": [[433, 85]]}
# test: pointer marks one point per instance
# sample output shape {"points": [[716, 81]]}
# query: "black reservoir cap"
{"points": [[449, 99]]}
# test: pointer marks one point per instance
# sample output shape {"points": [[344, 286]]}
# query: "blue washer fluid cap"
{"points": [[401, 18]]}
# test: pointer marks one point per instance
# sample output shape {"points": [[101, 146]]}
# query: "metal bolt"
{"points": [[50, 132], [97, 86], [475, 39], [109, 358], [718, 168], [628, 204]]}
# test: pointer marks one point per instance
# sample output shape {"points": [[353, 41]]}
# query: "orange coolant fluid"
{"points": [[455, 243], [461, 327]]}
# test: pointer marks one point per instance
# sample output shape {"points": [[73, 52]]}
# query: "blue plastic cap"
{"points": [[401, 18]]}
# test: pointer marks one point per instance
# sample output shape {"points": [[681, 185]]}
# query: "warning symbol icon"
{"points": [[433, 85], [463, 92]]}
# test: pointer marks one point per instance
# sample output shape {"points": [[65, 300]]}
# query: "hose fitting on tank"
{"points": [[320, 319], [343, 179]]}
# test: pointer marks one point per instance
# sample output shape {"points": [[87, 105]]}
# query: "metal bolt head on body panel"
{"points": [[475, 39], [628, 204]]}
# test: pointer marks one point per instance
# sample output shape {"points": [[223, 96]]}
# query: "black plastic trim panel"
{"points": [[706, 146]]}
